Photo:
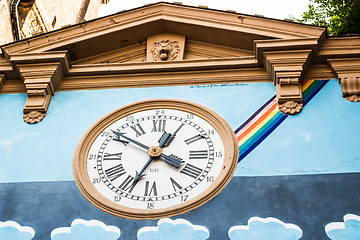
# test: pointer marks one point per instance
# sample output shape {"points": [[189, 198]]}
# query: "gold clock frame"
{"points": [[231, 154]]}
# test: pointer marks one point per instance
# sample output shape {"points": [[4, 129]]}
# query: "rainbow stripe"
{"points": [[267, 118]]}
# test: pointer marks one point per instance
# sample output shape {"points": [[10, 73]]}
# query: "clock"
{"points": [[155, 159]]}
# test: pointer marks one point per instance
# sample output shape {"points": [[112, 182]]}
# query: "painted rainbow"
{"points": [[267, 118]]}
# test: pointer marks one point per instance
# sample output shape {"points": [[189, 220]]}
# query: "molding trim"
{"points": [[158, 79], [347, 71]]}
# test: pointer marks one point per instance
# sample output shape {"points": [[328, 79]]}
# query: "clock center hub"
{"points": [[154, 151]]}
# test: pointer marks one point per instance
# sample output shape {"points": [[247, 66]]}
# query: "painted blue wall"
{"points": [[321, 139], [44, 151]]}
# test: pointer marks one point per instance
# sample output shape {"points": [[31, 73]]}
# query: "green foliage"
{"points": [[339, 16]]}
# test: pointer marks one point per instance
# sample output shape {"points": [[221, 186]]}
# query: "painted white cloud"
{"points": [[8, 144], [178, 229], [349, 229], [265, 228], [11, 230], [89, 230], [307, 136]]}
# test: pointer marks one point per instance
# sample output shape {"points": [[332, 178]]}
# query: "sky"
{"points": [[278, 9]]}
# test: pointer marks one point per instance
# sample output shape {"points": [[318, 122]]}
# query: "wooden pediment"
{"points": [[134, 26], [171, 44]]}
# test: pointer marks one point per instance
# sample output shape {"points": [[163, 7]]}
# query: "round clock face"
{"points": [[155, 158]]}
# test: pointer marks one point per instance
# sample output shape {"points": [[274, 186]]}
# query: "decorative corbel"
{"points": [[286, 69], [2, 80], [347, 71], [42, 74], [288, 92]]}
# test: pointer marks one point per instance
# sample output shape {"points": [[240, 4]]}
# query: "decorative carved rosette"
{"points": [[353, 98], [33, 117], [165, 50], [290, 107]]}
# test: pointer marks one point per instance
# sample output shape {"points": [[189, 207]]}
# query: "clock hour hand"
{"points": [[172, 160], [119, 134], [166, 138]]}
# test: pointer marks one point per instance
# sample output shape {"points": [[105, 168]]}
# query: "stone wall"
{"points": [[5, 23], [40, 16]]}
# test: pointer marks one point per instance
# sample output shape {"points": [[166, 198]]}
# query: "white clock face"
{"points": [[155, 159]]}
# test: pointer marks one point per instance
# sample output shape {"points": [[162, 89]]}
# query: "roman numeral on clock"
{"points": [[127, 184], [150, 191], [198, 154], [115, 172], [191, 170], [138, 129], [193, 139], [158, 125], [112, 156], [175, 185]]}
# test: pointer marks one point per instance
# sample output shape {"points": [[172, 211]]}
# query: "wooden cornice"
{"points": [[45, 57], [262, 46], [339, 47], [284, 53], [286, 63]]}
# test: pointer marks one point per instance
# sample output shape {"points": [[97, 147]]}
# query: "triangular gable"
{"points": [[133, 26]]}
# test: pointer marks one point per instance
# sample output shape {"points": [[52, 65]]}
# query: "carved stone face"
{"points": [[164, 54], [165, 50]]}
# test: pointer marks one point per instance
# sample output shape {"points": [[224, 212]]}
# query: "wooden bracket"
{"points": [[41, 73], [347, 71], [2, 80], [286, 69], [288, 93]]}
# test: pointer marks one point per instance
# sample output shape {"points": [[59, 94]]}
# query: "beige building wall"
{"points": [[5, 23], [93, 10], [40, 16]]}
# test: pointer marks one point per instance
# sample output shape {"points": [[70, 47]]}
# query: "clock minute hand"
{"points": [[119, 134], [140, 174]]}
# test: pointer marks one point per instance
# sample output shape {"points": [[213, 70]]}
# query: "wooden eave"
{"points": [[281, 52]]}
